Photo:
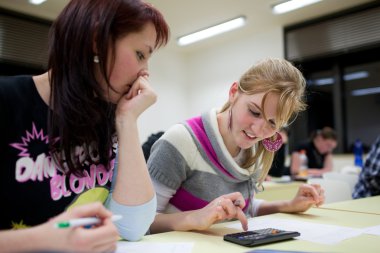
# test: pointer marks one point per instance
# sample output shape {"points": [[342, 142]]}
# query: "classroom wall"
{"points": [[186, 86], [168, 75], [208, 87]]}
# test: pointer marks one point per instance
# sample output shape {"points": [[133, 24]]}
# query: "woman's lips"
{"points": [[250, 136]]}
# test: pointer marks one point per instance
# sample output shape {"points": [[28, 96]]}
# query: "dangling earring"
{"points": [[272, 146], [96, 59], [230, 119]]}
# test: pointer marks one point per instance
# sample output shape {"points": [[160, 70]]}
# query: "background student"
{"points": [[209, 168], [147, 145], [62, 129], [369, 179], [279, 167], [318, 151]]}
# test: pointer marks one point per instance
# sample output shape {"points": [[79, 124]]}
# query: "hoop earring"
{"points": [[96, 59], [230, 119], [272, 145]]}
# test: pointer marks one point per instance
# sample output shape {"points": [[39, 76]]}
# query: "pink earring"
{"points": [[272, 146]]}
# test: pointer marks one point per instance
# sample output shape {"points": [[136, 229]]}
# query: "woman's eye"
{"points": [[256, 114], [272, 124], [140, 56]]}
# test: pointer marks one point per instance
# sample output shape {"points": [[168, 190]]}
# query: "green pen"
{"points": [[80, 222]]}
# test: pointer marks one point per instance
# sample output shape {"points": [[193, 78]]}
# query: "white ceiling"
{"points": [[186, 16]]}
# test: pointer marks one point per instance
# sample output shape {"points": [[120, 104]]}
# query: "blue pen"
{"points": [[80, 222]]}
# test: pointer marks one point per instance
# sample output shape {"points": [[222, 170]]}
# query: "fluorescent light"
{"points": [[36, 2], [292, 5], [324, 81], [356, 75], [367, 91], [211, 31], [347, 77]]}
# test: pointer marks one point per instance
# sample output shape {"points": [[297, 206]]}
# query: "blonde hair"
{"points": [[272, 75]]}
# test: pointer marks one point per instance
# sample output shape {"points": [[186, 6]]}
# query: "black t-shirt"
{"points": [[315, 159], [32, 187]]}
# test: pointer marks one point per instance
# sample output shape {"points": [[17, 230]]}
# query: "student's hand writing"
{"points": [[138, 99], [221, 208], [100, 238], [307, 196]]}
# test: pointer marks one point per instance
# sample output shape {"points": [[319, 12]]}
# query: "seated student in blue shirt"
{"points": [[369, 179]]}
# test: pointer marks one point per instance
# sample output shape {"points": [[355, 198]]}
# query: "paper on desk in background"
{"points": [[283, 179], [277, 251], [375, 230], [313, 232], [156, 247]]}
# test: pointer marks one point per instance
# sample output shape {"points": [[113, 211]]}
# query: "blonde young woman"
{"points": [[209, 168]]}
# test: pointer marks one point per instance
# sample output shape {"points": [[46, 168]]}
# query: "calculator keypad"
{"points": [[260, 236]]}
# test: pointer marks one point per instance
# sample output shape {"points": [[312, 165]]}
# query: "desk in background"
{"points": [[278, 191], [212, 239], [370, 205], [342, 160]]}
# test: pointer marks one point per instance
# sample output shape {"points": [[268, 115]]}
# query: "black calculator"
{"points": [[260, 236]]}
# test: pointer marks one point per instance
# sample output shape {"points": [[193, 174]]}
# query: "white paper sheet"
{"points": [[313, 232], [138, 247], [375, 230]]}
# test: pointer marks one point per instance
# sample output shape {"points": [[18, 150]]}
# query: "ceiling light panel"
{"points": [[212, 31], [292, 5]]}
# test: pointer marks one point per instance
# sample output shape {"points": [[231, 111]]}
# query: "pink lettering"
{"points": [[101, 175], [58, 187], [55, 187], [112, 166], [65, 192], [38, 168], [49, 168], [76, 181], [110, 175], [24, 169], [27, 169], [90, 179], [96, 175]]}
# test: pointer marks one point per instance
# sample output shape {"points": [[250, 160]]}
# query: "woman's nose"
{"points": [[143, 72], [263, 128]]}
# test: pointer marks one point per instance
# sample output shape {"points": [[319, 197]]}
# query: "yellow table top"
{"points": [[212, 239], [275, 185], [278, 191], [365, 205]]}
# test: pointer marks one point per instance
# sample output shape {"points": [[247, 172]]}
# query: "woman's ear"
{"points": [[233, 92]]}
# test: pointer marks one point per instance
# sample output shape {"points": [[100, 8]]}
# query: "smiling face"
{"points": [[132, 53], [251, 120]]}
